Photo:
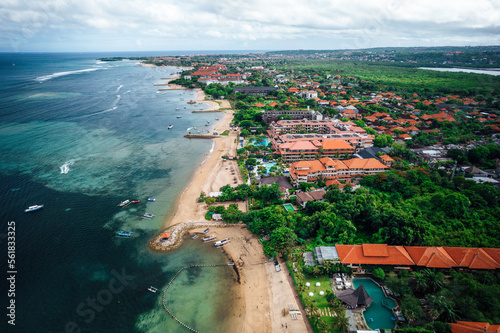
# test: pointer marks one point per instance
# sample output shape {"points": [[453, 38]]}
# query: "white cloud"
{"points": [[254, 22]]}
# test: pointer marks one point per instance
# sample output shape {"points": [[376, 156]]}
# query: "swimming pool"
{"points": [[289, 208], [268, 166], [379, 315]]}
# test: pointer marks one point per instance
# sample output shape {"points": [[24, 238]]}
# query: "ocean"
{"points": [[80, 135]]}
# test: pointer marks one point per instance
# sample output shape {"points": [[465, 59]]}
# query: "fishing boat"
{"points": [[205, 231], [151, 199], [216, 118], [194, 237], [124, 203], [170, 126], [124, 234], [221, 242], [191, 102], [148, 216], [177, 108], [33, 208], [153, 289], [195, 128], [208, 238], [135, 201], [179, 116]]}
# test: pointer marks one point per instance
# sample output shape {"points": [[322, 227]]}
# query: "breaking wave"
{"points": [[59, 74]]}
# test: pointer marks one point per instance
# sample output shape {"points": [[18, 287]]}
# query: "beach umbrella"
{"points": [[318, 284], [311, 294], [321, 293], [307, 284]]}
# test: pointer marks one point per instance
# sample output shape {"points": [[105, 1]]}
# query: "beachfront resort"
{"points": [[334, 196]]}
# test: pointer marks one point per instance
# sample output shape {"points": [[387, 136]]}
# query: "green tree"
{"points": [[379, 273], [282, 239]]}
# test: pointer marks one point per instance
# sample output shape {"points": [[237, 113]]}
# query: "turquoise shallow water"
{"points": [[378, 315], [79, 136]]}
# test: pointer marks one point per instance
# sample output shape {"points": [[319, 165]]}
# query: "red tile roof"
{"points": [[473, 258], [473, 327], [392, 255], [430, 256]]}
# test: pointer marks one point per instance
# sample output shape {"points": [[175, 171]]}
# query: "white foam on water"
{"points": [[65, 167], [59, 74], [212, 148]]}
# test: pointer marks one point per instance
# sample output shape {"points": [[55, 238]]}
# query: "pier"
{"points": [[201, 136], [177, 232]]}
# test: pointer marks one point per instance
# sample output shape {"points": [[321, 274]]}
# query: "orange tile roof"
{"points": [[386, 158], [473, 258], [375, 250], [336, 144], [431, 256], [473, 327], [354, 254], [368, 163], [493, 252]]}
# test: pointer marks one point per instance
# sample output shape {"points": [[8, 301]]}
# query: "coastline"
{"points": [[263, 293]]}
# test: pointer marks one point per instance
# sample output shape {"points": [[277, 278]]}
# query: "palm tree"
{"points": [[420, 282], [342, 323]]}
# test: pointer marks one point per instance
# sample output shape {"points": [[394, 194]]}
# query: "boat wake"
{"points": [[59, 74], [65, 167], [118, 89]]}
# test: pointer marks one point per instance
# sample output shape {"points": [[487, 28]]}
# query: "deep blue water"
{"points": [[106, 125]]}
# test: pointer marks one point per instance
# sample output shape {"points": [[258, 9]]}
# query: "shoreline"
{"points": [[263, 293]]}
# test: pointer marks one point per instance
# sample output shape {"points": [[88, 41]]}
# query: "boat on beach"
{"points": [[194, 237], [205, 231], [33, 208], [208, 238], [124, 203], [123, 234], [221, 242]]}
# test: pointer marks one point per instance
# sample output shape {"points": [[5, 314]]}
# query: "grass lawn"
{"points": [[319, 301]]}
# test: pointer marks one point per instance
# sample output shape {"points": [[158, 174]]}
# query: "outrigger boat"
{"points": [[124, 234], [148, 216], [206, 230], [208, 238], [221, 242], [124, 203], [33, 208], [153, 289]]}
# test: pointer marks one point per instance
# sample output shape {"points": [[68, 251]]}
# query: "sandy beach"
{"points": [[264, 293]]}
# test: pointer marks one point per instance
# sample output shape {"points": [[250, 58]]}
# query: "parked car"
{"points": [[277, 266]]}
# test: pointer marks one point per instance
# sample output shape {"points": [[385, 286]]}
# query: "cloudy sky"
{"points": [[167, 25]]}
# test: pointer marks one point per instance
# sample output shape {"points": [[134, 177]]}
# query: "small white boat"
{"points": [[153, 289], [208, 238], [179, 116], [221, 242], [33, 208], [170, 126], [124, 203], [177, 108]]}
